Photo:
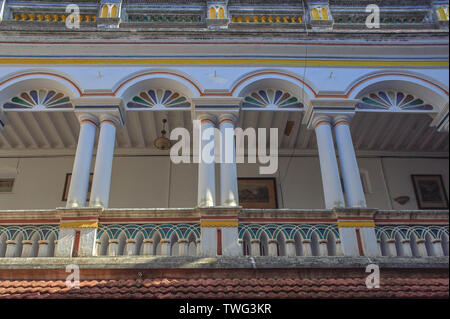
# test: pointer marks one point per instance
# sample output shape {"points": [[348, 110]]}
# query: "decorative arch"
{"points": [[39, 79], [428, 90], [134, 84], [273, 89], [159, 98]]}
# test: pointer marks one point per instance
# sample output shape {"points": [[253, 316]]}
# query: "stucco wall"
{"points": [[153, 181]]}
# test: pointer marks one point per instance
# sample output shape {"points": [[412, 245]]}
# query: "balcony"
{"points": [[259, 232]]}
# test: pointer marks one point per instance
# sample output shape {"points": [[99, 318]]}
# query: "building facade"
{"points": [[347, 103]]}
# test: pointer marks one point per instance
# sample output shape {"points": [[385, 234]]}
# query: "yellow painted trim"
{"points": [[299, 62], [219, 223], [87, 224], [355, 224]]}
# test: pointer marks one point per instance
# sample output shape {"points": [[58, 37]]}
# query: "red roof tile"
{"points": [[228, 288]]}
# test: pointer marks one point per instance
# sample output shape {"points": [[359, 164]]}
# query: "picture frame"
{"points": [[258, 193], [67, 186], [430, 191]]}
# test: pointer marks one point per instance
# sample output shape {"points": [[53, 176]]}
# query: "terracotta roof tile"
{"points": [[162, 288]]}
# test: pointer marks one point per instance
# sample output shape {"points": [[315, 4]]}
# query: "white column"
{"points": [[79, 182], [43, 248], [255, 247], [27, 248], [437, 248], [113, 247], [11, 248], [354, 193], [328, 165], [103, 163], [148, 247], [131, 247], [183, 247], [165, 247], [228, 172], [307, 249], [391, 249], [406, 246], [421, 247], [323, 247], [273, 248], [339, 251], [206, 166], [290, 248]]}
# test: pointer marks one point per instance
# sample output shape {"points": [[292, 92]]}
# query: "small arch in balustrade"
{"points": [[2, 244], [315, 242], [174, 245], [263, 245], [246, 248], [139, 247], [383, 245], [156, 244], [444, 243], [331, 244], [399, 241], [281, 245], [121, 244], [298, 245], [192, 245]]}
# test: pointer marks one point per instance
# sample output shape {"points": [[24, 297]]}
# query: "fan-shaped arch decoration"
{"points": [[34, 98], [393, 100], [271, 98], [164, 98]]}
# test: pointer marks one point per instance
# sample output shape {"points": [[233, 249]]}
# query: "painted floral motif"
{"points": [[388, 100], [165, 98], [33, 98], [271, 98]]}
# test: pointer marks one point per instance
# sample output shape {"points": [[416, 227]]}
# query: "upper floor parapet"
{"points": [[230, 15]]}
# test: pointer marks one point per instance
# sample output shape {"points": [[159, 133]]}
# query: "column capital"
{"points": [[87, 117], [114, 119], [332, 108], [100, 107], [319, 119], [207, 117], [230, 117]]}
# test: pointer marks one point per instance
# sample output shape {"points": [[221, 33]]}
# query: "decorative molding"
{"points": [[271, 98], [155, 98], [39, 98], [393, 100]]}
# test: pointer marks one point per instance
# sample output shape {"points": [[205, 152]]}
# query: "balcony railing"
{"points": [[261, 232]]}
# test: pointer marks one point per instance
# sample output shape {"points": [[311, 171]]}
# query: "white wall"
{"points": [[153, 181]]}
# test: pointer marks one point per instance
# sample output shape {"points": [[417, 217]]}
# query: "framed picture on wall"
{"points": [[67, 186], [257, 192], [430, 191]]}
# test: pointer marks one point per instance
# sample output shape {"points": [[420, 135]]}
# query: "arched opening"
{"points": [[324, 13], [429, 245], [383, 245], [399, 245], [281, 245], [331, 244], [114, 11], [221, 13], [51, 244], [246, 245], [35, 245], [156, 244], [263, 245], [139, 239], [2, 245], [315, 14], [298, 244], [315, 244], [174, 245], [192, 245], [414, 248], [212, 13], [444, 243], [104, 244], [121, 245], [104, 13]]}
